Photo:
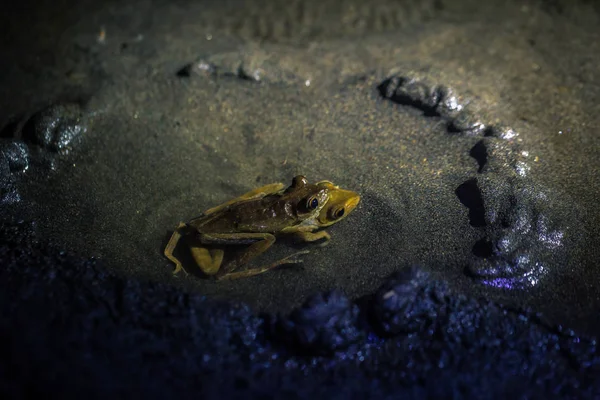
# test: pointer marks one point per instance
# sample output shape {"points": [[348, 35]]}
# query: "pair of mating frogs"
{"points": [[256, 218]]}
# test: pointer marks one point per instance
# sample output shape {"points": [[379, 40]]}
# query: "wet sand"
{"points": [[161, 147]]}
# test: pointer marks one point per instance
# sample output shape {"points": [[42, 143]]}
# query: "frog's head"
{"points": [[307, 199], [341, 203]]}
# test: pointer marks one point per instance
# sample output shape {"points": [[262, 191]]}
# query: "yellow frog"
{"points": [[256, 218]]}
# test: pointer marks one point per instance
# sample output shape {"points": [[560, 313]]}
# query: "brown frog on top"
{"points": [[256, 218]]}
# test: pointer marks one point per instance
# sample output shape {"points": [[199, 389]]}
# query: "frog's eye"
{"points": [[312, 203], [299, 180], [337, 213]]}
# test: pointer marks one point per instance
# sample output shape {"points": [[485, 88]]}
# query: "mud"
{"points": [[468, 128], [414, 337]]}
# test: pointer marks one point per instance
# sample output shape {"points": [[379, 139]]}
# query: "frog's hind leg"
{"points": [[171, 247], [261, 243], [291, 259], [209, 261]]}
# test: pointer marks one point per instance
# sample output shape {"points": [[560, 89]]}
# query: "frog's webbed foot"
{"points": [[291, 259], [171, 247]]}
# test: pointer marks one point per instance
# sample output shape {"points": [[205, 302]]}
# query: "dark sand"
{"points": [[161, 148]]}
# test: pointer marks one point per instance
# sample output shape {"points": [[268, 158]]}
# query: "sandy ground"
{"points": [[161, 147]]}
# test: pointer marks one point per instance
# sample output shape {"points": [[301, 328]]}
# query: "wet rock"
{"points": [[467, 122], [524, 233], [5, 175], [408, 302], [199, 67], [497, 156], [516, 270], [435, 101], [412, 92], [14, 159], [450, 104], [255, 65], [520, 241], [520, 234], [55, 127], [502, 132], [223, 66], [15, 154], [327, 322]]}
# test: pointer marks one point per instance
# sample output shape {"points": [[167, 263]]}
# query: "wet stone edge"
{"points": [[34, 142], [519, 240]]}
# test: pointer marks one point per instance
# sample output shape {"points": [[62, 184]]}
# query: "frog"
{"points": [[256, 218], [340, 204]]}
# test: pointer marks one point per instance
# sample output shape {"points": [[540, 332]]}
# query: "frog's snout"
{"points": [[352, 202]]}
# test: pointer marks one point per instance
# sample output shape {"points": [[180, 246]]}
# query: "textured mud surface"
{"points": [[412, 338], [470, 131]]}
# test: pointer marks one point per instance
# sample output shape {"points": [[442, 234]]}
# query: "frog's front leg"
{"points": [[313, 237]]}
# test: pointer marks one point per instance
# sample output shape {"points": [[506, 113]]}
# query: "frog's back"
{"points": [[269, 214]]}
